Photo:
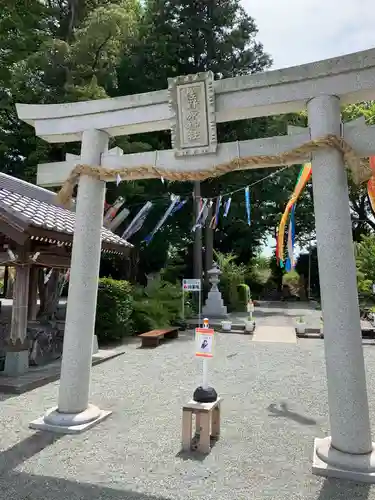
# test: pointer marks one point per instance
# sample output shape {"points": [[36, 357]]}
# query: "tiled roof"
{"points": [[37, 207]]}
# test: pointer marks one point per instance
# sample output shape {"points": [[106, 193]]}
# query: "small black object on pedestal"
{"points": [[208, 395]]}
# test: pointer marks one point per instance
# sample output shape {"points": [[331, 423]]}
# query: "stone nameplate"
{"points": [[192, 103]]}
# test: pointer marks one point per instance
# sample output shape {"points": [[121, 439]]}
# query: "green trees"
{"points": [[56, 51], [65, 50], [365, 258], [363, 222], [184, 36], [180, 37]]}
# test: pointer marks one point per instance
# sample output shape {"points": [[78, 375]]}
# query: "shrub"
{"points": [[233, 275], [244, 295], [158, 305], [113, 310], [365, 259], [291, 279]]}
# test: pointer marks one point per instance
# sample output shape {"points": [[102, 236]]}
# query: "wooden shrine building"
{"points": [[35, 232]]}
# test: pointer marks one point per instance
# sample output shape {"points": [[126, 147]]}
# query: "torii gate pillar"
{"points": [[348, 452], [74, 414]]}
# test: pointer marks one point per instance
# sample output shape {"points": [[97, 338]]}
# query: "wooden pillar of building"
{"points": [[33, 294], [6, 279], [17, 356]]}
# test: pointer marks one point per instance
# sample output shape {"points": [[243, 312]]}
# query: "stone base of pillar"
{"points": [[214, 306], [16, 363], [329, 462], [69, 423]]}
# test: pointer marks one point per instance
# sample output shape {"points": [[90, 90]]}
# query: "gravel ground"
{"points": [[274, 405]]}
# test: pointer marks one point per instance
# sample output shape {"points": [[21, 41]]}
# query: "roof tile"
{"points": [[45, 215]]}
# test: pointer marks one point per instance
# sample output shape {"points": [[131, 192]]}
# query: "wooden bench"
{"points": [[152, 338]]}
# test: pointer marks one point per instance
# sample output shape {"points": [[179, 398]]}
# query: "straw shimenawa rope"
{"points": [[360, 171]]}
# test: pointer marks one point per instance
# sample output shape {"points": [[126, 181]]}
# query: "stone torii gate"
{"points": [[191, 108]]}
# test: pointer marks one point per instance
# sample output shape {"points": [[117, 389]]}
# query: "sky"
{"points": [[299, 31], [295, 32]]}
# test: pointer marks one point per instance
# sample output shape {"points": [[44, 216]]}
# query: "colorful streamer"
{"points": [[215, 219], [120, 217], [138, 221], [290, 262], [205, 213], [179, 206], [277, 250], [112, 211], [371, 186], [199, 219], [227, 206], [174, 201], [217, 212], [303, 177], [247, 201]]}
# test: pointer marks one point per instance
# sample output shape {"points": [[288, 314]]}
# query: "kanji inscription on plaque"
{"points": [[192, 102]]}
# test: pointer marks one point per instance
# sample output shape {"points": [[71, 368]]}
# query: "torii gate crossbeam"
{"points": [[191, 107]]}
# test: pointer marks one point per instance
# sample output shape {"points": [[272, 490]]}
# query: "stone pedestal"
{"points": [[74, 414], [214, 306], [348, 453], [16, 363]]}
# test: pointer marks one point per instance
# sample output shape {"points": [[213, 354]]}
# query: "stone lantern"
{"points": [[214, 306]]}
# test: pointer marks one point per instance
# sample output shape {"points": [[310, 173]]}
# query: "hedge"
{"points": [[113, 310]]}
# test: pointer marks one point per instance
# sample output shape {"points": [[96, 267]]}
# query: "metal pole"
{"points": [[309, 274], [200, 305], [183, 304], [205, 362], [205, 374]]}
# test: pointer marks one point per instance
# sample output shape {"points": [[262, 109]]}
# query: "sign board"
{"points": [[204, 338], [191, 285]]}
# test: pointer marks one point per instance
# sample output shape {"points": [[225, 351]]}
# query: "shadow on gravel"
{"points": [[25, 449], [22, 486], [194, 455], [334, 489], [284, 412]]}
